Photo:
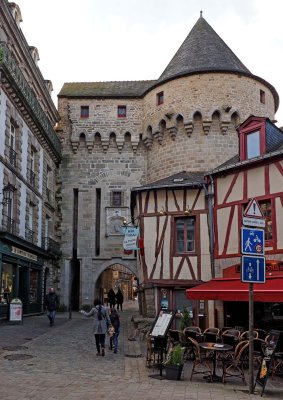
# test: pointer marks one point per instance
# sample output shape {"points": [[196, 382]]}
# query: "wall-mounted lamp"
{"points": [[187, 211], [7, 192], [132, 222], [162, 211]]}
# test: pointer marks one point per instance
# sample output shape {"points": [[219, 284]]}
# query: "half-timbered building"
{"points": [[255, 173]]}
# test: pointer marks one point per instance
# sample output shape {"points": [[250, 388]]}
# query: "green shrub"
{"points": [[175, 356], [185, 319]]}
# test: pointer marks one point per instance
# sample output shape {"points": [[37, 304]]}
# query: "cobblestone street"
{"points": [[61, 364]]}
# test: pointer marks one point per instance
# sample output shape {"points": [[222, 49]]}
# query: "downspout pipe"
{"points": [[209, 195]]}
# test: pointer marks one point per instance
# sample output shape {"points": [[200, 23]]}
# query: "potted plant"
{"points": [[173, 365], [185, 320]]}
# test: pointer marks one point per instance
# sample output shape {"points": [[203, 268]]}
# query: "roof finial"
{"points": [[201, 14]]}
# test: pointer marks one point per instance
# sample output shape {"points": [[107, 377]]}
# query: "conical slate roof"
{"points": [[203, 50]]}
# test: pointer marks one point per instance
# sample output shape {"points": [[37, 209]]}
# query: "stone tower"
{"points": [[119, 135]]}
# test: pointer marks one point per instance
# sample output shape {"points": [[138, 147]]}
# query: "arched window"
{"points": [[235, 118]]}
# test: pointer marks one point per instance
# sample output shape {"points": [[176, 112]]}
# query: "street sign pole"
{"points": [[251, 338]]}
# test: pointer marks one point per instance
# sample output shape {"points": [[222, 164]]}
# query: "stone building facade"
{"points": [[30, 152], [117, 136]]}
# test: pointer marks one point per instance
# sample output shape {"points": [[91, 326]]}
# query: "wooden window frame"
{"points": [[195, 250], [260, 127]]}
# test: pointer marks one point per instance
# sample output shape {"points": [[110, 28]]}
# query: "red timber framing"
{"points": [[164, 223]]}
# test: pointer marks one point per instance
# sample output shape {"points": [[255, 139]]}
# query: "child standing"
{"points": [[115, 322]]}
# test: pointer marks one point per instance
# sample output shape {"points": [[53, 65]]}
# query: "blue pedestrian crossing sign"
{"points": [[252, 241], [253, 269]]}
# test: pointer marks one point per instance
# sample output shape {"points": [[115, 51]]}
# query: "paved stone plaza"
{"points": [[63, 366]]}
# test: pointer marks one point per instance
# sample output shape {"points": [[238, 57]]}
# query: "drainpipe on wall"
{"points": [[209, 194]]}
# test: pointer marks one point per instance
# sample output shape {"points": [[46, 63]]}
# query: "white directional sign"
{"points": [[256, 222], [253, 269]]}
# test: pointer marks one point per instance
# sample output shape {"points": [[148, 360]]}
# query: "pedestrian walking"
{"points": [[115, 322], [119, 299], [51, 303], [100, 325], [111, 298]]}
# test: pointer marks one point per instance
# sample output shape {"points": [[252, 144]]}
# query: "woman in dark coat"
{"points": [[111, 298], [119, 299]]}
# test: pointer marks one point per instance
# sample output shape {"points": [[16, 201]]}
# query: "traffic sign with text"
{"points": [[252, 241], [253, 269]]}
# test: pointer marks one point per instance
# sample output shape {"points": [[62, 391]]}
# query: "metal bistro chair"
{"points": [[202, 364], [195, 334], [211, 335], [234, 367], [245, 335], [261, 333]]}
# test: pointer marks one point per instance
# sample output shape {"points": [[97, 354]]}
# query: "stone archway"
{"points": [[130, 265]]}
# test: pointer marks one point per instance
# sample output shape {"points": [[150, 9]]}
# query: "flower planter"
{"points": [[173, 372]]}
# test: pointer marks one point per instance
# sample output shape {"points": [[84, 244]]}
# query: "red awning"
{"points": [[232, 289]]}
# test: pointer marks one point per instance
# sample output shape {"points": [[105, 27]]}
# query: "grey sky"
{"points": [[96, 40]]}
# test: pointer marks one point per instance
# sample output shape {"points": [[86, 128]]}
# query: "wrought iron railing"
{"points": [[8, 224], [51, 245], [10, 66], [12, 157], [30, 235]]}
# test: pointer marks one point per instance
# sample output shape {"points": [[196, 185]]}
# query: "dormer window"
{"points": [[252, 135], [253, 144]]}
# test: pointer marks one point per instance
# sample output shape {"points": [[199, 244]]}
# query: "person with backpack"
{"points": [[115, 322], [51, 303], [101, 324]]}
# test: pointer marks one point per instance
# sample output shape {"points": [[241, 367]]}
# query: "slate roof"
{"points": [[124, 89], [181, 179], [203, 50]]}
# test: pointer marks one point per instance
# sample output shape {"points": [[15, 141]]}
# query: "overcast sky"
{"points": [[99, 40]]}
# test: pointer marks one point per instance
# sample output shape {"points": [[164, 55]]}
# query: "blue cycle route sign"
{"points": [[253, 269], [252, 241]]}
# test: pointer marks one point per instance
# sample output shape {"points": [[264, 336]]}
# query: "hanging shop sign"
{"points": [[130, 239]]}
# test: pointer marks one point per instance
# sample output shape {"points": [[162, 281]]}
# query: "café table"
{"points": [[215, 348]]}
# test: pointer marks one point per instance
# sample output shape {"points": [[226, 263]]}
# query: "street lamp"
{"points": [[7, 193]]}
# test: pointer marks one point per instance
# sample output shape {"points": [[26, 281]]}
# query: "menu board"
{"points": [[266, 363], [162, 323]]}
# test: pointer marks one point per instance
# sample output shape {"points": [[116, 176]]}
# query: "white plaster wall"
{"points": [[255, 182], [275, 179]]}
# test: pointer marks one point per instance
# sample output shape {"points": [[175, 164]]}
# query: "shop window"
{"points": [[267, 213], [6, 283], [122, 111], [33, 286], [160, 98], [117, 199], [84, 111], [185, 235]]}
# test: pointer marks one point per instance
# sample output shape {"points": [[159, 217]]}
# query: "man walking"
{"points": [[51, 303]]}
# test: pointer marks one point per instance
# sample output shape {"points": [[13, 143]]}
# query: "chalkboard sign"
{"points": [[267, 360], [162, 323]]}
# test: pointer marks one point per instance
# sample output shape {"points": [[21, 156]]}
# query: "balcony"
{"points": [[8, 225], [31, 177], [12, 157], [51, 245], [16, 78], [30, 235]]}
